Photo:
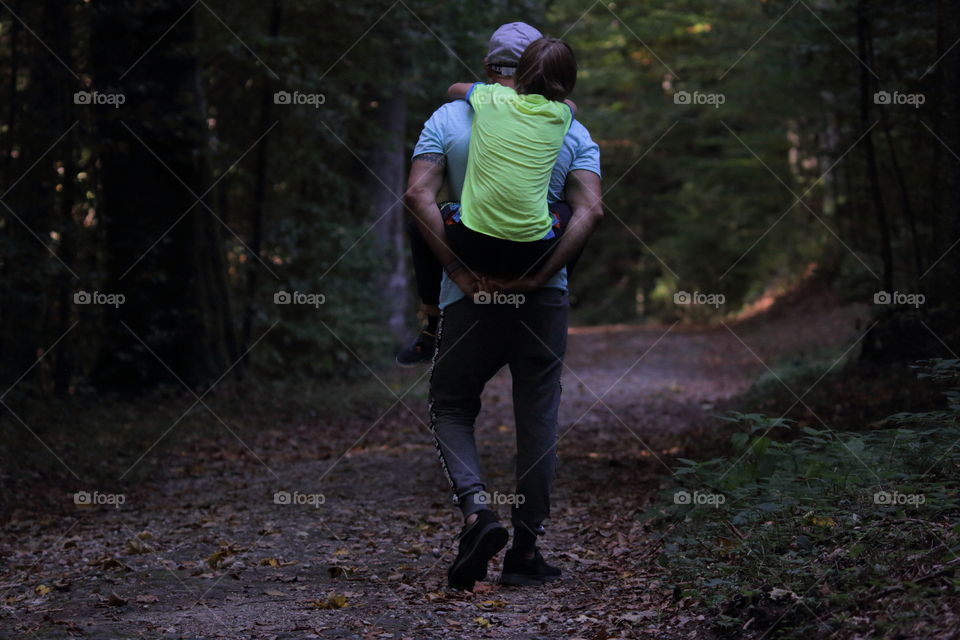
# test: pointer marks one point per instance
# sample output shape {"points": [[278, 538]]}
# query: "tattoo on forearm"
{"points": [[433, 158]]}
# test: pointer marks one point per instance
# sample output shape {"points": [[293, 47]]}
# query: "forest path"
{"points": [[203, 551]]}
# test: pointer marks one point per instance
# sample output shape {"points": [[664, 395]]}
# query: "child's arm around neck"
{"points": [[459, 90]]}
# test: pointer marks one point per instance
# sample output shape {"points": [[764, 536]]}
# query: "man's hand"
{"points": [[583, 195], [469, 282], [519, 285]]}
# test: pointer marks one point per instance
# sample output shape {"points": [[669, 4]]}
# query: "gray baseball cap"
{"points": [[507, 44]]}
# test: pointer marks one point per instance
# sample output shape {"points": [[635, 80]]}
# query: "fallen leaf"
{"points": [[332, 601], [136, 546], [638, 616], [777, 594], [340, 572], [110, 563], [217, 559]]}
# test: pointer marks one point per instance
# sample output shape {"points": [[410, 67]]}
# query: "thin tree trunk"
{"points": [[215, 318], [260, 192], [8, 158], [901, 185], [876, 195], [62, 37], [904, 197], [944, 274], [388, 165], [10, 355]]}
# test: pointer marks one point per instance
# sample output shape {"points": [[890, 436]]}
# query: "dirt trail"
{"points": [[220, 559]]}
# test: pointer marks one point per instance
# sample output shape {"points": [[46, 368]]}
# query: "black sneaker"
{"points": [[519, 571], [479, 542], [419, 352]]}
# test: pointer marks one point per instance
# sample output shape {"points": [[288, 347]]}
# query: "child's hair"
{"points": [[547, 67]]}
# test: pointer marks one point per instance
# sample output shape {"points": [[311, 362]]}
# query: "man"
{"points": [[476, 339], [446, 135]]}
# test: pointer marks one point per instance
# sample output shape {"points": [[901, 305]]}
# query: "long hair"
{"points": [[547, 67]]}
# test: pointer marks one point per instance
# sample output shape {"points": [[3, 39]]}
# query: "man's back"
{"points": [[448, 132]]}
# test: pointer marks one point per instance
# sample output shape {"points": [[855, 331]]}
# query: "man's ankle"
{"points": [[524, 539]]}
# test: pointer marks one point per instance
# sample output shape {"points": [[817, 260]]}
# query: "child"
{"points": [[503, 226]]}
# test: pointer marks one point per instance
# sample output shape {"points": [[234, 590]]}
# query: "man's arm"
{"points": [[420, 199], [583, 196]]}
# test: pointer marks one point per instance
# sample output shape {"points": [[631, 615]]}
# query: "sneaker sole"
{"points": [[473, 566], [524, 580]]}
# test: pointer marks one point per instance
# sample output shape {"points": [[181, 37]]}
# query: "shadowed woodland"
{"points": [[204, 278]]}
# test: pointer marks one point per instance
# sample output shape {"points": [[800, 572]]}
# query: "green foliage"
{"points": [[324, 229], [704, 199], [292, 183], [699, 198], [816, 521]]}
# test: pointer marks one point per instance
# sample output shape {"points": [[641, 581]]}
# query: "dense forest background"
{"points": [[204, 279], [151, 156]]}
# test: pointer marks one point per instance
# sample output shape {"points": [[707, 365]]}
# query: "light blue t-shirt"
{"points": [[448, 132]]}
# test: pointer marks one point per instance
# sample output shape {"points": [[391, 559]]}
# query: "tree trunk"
{"points": [[904, 198], [904, 335], [944, 275], [260, 192], [876, 195], [60, 27], [28, 289], [14, 353], [389, 164], [164, 249], [9, 161]]}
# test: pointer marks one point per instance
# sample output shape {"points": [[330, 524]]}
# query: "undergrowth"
{"points": [[807, 530]]}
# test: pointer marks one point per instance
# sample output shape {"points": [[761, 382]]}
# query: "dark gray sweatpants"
{"points": [[474, 342]]}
